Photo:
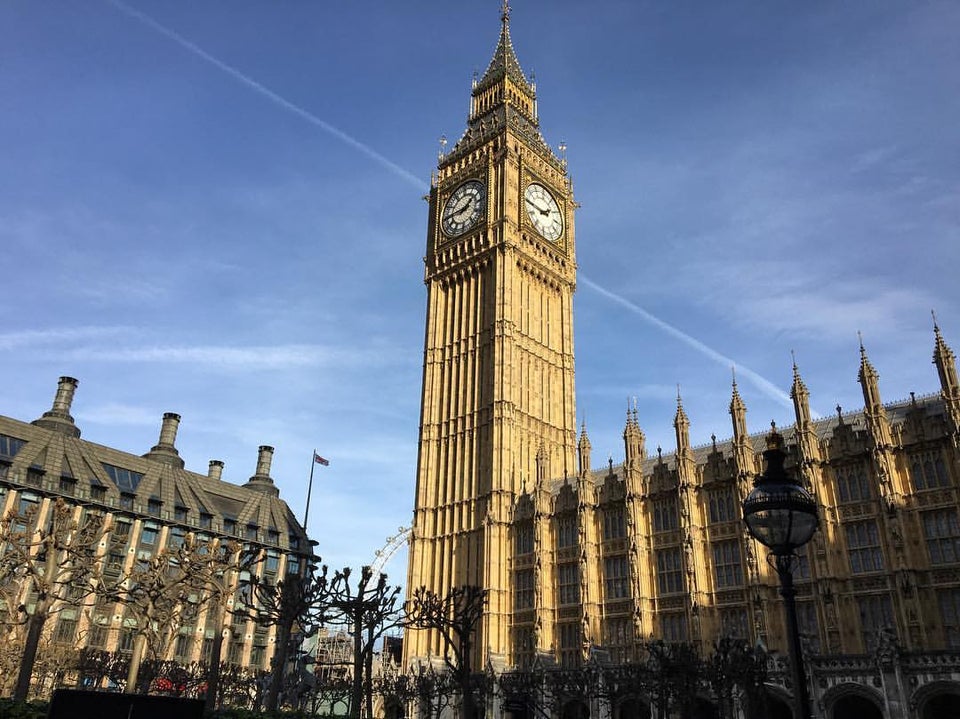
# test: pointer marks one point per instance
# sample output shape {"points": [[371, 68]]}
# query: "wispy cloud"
{"points": [[57, 335], [761, 383], [254, 357], [122, 414], [266, 92]]}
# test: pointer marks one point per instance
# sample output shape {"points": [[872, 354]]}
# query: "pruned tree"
{"points": [[367, 610], [735, 665], [296, 600], [55, 563], [166, 591], [455, 617]]}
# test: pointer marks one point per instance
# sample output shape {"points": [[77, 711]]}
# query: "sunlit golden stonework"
{"points": [[584, 564]]}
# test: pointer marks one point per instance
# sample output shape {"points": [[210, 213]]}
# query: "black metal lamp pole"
{"points": [[782, 516]]}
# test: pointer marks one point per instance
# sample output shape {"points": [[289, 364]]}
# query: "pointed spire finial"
{"points": [[505, 13], [679, 398], [840, 413], [936, 327], [863, 351]]}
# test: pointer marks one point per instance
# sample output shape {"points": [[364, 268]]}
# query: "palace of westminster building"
{"points": [[577, 559], [578, 562]]}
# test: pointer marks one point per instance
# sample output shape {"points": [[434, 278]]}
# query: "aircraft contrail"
{"points": [[758, 381], [270, 94], [761, 383]]}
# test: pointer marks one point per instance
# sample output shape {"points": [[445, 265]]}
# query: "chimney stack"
{"points": [[216, 469], [58, 418], [261, 481], [165, 449]]}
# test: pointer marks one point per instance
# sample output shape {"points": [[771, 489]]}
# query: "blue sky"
{"points": [[214, 208]]}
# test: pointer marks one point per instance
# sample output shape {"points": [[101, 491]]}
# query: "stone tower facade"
{"points": [[498, 395]]}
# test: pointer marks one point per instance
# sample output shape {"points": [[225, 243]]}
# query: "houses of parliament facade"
{"points": [[578, 559]]}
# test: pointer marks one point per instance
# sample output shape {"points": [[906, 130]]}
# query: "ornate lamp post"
{"points": [[781, 515]]}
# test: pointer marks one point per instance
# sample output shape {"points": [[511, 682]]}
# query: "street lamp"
{"points": [[781, 515]]}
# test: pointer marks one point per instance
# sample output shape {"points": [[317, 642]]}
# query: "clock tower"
{"points": [[497, 412]]}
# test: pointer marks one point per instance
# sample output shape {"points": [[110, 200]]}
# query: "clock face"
{"points": [[464, 208], [543, 211]]}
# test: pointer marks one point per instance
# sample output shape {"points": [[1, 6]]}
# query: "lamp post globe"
{"points": [[782, 516]]}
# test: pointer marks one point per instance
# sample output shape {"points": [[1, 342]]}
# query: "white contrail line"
{"points": [[764, 385], [271, 95]]}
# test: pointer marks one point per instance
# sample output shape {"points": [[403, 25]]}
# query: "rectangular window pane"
{"points": [[942, 532], [727, 568], [616, 571], [863, 546], [670, 571], [568, 583]]}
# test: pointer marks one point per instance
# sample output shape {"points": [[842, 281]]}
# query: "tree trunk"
{"points": [[30, 648], [356, 696], [133, 671], [279, 662], [368, 672], [213, 668]]}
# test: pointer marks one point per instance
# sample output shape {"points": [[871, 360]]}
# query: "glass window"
{"points": [[273, 536], [723, 506], [614, 523], [863, 546], [618, 638], [569, 644], [949, 601], [876, 617], [229, 526], [567, 530], [206, 520], [180, 513], [126, 501], [727, 568], [294, 541], [176, 537], [928, 471], [68, 486], [942, 532], [852, 484], [97, 492], [666, 516], [9, 446], [523, 538], [523, 591], [66, 632], [251, 532], [673, 627], [670, 571], [616, 574], [153, 506], [28, 505], [125, 479], [809, 625], [568, 583], [733, 623], [272, 561], [293, 564], [181, 648], [149, 535]]}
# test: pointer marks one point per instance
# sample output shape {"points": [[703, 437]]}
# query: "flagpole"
{"points": [[306, 510]]}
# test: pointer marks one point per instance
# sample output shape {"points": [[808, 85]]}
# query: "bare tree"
{"points": [[166, 591], [368, 610], [294, 601], [55, 562], [455, 617]]}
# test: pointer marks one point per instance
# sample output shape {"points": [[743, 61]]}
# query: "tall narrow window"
{"points": [[566, 530], [727, 568], [523, 590], [616, 574], [723, 505], [523, 538], [670, 571], [942, 532], [614, 523], [673, 627], [568, 583], [949, 601], [876, 617], [852, 484], [928, 471], [863, 547], [666, 516]]}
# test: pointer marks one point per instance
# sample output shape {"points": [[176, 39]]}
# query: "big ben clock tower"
{"points": [[497, 408]]}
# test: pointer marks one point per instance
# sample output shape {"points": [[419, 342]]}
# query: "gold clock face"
{"points": [[543, 211], [464, 208]]}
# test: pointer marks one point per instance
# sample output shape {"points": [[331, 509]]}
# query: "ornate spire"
{"points": [[504, 82], [869, 380], [738, 411], [583, 449], [800, 396], [946, 363], [682, 424], [634, 441]]}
